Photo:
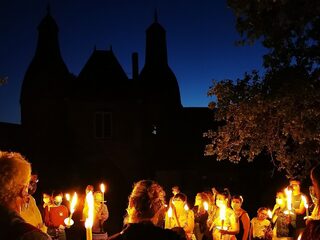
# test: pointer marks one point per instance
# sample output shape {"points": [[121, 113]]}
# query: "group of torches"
{"points": [[90, 201], [222, 213]]}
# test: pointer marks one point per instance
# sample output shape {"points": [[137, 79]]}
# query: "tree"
{"points": [[278, 112]]}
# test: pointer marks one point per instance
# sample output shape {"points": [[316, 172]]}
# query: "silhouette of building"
{"points": [[101, 125]]}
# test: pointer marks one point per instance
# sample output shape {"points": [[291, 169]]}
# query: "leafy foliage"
{"points": [[279, 112]]}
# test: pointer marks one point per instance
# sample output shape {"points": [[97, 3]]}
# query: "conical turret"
{"points": [[47, 74], [157, 79]]}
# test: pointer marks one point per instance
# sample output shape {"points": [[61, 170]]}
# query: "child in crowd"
{"points": [[261, 226]]}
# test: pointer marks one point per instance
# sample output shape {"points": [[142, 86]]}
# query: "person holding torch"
{"points": [[146, 201], [283, 218], [101, 213], [224, 223]]}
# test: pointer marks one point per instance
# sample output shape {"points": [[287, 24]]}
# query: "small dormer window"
{"points": [[103, 124]]}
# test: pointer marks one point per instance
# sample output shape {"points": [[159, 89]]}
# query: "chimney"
{"points": [[135, 66]]}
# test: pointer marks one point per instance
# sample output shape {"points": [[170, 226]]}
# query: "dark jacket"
{"points": [[13, 227], [145, 231]]}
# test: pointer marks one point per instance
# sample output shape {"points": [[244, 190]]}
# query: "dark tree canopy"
{"points": [[278, 112]]}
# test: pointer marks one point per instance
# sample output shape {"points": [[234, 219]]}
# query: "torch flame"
{"points": [[73, 202], [186, 207], [205, 206], [89, 221], [289, 198], [305, 202], [170, 212], [68, 197], [102, 188], [223, 209], [269, 213], [299, 237]]}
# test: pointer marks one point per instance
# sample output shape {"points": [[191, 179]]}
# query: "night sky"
{"points": [[201, 39]]}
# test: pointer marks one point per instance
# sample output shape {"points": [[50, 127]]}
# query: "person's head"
{"points": [[98, 197], [222, 198], [179, 201], [89, 188], [262, 213], [201, 197], [175, 190], [15, 172], [145, 201], [46, 198], [281, 199], [57, 198], [236, 202], [33, 184], [315, 178], [295, 186]]}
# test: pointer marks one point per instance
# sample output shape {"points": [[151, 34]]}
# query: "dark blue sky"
{"points": [[200, 40]]}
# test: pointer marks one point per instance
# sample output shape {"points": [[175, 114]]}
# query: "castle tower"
{"points": [[161, 102], [159, 82], [44, 93]]}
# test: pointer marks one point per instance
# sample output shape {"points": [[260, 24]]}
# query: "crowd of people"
{"points": [[216, 214]]}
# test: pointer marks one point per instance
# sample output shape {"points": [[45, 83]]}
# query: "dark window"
{"points": [[103, 124]]}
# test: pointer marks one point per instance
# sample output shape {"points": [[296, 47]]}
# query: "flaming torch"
{"points": [[222, 216], [103, 189], [170, 215], [89, 220], [186, 208], [305, 203], [68, 221], [206, 206], [289, 201], [67, 197]]}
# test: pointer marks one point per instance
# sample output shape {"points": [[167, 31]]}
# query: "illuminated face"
{"points": [[178, 203], [98, 197], [280, 199], [263, 214], [197, 201], [295, 186], [220, 200], [236, 204], [57, 200], [175, 190], [46, 198]]}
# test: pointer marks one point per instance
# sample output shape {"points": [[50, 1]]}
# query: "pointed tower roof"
{"points": [[156, 74], [47, 74], [155, 15], [100, 75]]}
